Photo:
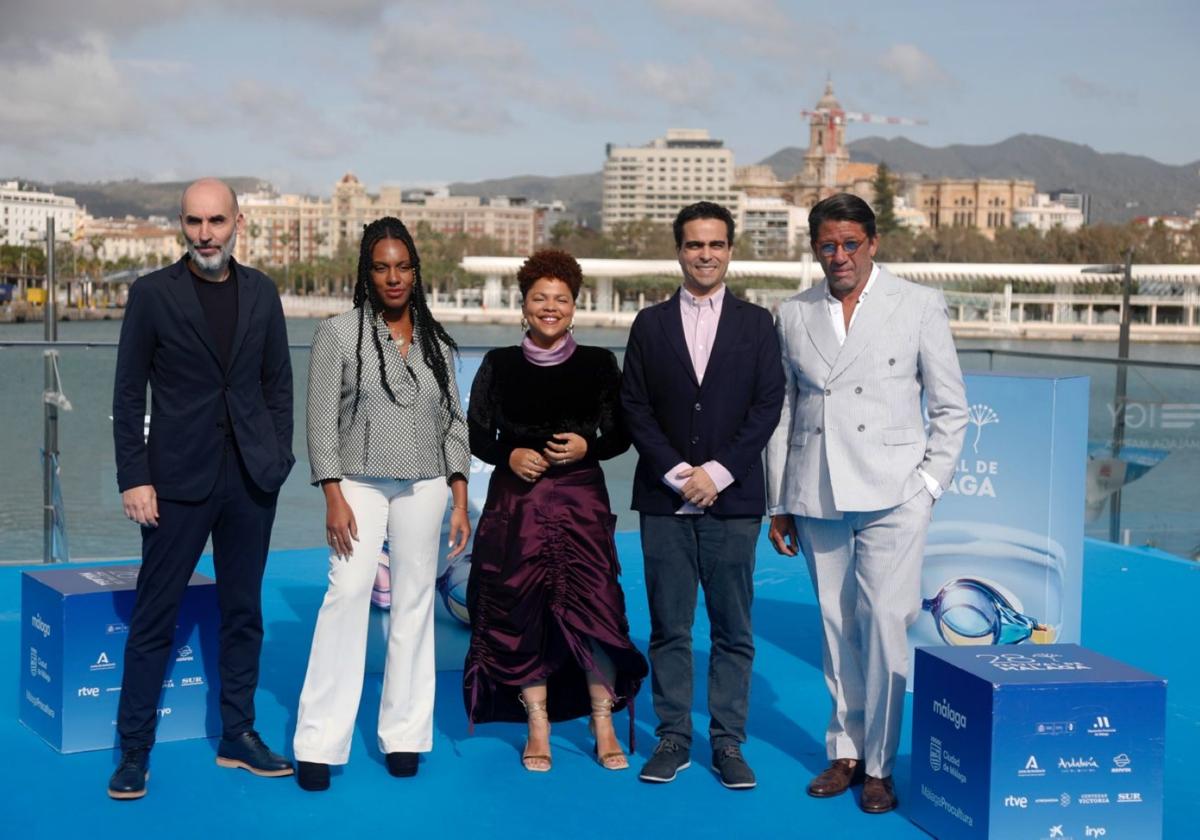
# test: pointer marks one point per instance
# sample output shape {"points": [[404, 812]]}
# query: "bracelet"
{"points": [[458, 507]]}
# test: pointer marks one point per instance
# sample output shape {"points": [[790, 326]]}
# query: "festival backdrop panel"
{"points": [[1004, 556], [74, 624], [1052, 741]]}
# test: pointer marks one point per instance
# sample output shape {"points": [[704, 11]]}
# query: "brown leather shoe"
{"points": [[834, 780], [878, 796]]}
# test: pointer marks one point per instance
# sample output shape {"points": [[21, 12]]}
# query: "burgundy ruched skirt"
{"points": [[543, 590]]}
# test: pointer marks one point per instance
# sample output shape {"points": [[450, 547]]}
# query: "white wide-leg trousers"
{"points": [[409, 514]]}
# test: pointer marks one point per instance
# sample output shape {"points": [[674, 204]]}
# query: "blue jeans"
{"points": [[716, 552]]}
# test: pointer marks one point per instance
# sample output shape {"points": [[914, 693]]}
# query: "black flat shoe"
{"points": [[402, 764], [312, 776]]}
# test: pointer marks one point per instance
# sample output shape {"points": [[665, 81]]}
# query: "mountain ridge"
{"points": [[1121, 185]]}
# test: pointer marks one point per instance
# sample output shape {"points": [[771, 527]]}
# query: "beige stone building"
{"points": [[983, 203], [149, 242], [281, 229]]}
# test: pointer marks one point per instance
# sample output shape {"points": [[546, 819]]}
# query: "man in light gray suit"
{"points": [[853, 472]]}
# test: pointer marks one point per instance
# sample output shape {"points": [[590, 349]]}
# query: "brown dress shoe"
{"points": [[841, 774], [878, 796]]}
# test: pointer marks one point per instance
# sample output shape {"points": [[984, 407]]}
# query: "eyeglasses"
{"points": [[967, 611], [828, 249], [452, 586]]}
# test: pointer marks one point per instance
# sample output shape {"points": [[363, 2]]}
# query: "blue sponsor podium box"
{"points": [[74, 623], [1056, 741]]}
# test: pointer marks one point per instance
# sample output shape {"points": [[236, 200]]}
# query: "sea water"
{"points": [[1159, 509]]}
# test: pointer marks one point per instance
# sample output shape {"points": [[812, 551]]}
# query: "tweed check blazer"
{"points": [[416, 436]]}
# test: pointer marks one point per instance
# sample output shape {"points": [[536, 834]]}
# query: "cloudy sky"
{"points": [[418, 93]]}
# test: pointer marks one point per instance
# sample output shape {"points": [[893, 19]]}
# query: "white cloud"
{"points": [[1082, 88], [455, 72], [692, 85], [753, 14], [913, 67], [442, 42], [66, 95], [280, 115], [749, 30], [32, 25]]}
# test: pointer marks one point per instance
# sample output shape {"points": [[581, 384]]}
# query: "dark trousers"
{"points": [[716, 552], [239, 516]]}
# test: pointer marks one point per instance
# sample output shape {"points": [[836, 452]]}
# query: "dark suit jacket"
{"points": [[166, 341], [728, 418]]}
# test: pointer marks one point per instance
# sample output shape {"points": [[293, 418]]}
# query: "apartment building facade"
{"points": [[655, 180], [23, 214]]}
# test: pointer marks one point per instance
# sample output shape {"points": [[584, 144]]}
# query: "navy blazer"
{"points": [[728, 418], [166, 341]]}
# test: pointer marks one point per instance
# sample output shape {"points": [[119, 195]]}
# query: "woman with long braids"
{"points": [[549, 637], [386, 436]]}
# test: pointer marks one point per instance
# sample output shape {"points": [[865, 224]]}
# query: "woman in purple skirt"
{"points": [[549, 637]]}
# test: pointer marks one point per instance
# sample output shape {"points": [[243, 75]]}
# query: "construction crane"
{"points": [[833, 118]]}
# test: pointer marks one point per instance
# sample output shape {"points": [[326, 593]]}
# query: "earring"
{"points": [[571, 328], [524, 324]]}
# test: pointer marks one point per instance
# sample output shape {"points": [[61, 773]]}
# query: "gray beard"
{"points": [[213, 267]]}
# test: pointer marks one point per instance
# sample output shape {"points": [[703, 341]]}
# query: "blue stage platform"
{"points": [[1138, 606]]}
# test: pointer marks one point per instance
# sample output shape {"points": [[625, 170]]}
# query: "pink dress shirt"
{"points": [[700, 319]]}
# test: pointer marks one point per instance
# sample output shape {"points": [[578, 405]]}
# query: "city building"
{"points": [[1076, 201], [149, 242], [1044, 214], [826, 168], [772, 229], [983, 203], [23, 214], [654, 181], [281, 229], [909, 217], [986, 204], [513, 223]]}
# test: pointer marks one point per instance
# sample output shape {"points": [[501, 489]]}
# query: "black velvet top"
{"points": [[517, 404]]}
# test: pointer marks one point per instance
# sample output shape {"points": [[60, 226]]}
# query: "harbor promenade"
{"points": [[1076, 302]]}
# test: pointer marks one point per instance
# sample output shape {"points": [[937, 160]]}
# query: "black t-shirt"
{"points": [[220, 304]]}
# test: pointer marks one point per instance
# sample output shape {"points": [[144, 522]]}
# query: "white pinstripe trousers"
{"points": [[866, 569]]}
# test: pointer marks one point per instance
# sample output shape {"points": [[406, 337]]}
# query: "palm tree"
{"points": [[320, 239], [285, 239]]}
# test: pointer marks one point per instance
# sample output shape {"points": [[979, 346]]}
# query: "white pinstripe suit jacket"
{"points": [[852, 436]]}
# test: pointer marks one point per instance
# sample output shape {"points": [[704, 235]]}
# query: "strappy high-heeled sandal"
{"points": [[535, 710], [602, 708]]}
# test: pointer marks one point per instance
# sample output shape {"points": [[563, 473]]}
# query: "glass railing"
{"points": [[1160, 451], [95, 525], [1144, 490]]}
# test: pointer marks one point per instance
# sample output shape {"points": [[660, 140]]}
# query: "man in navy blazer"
{"points": [[702, 390], [208, 336]]}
